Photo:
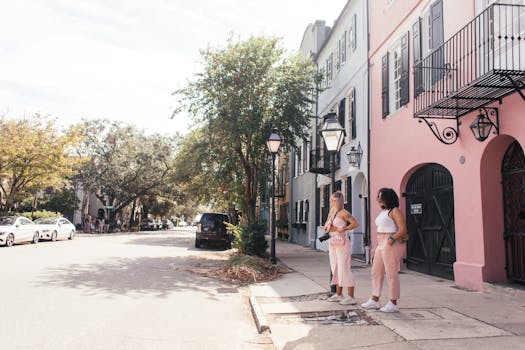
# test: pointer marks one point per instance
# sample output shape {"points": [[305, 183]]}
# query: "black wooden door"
{"points": [[513, 173], [431, 248]]}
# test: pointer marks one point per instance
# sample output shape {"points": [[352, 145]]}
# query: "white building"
{"points": [[343, 59]]}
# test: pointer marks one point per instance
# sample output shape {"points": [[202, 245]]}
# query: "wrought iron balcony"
{"points": [[481, 63], [320, 161]]}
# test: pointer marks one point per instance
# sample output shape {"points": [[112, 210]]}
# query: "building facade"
{"points": [[343, 59], [302, 182], [447, 133]]}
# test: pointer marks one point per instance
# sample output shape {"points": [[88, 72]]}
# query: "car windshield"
{"points": [[213, 219], [47, 221], [7, 220]]}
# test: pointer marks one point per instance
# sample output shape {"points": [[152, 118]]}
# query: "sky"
{"points": [[122, 59]]}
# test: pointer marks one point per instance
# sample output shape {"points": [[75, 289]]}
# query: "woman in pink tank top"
{"points": [[339, 248]]}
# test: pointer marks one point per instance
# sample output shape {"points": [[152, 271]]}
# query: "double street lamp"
{"points": [[333, 135], [273, 143]]}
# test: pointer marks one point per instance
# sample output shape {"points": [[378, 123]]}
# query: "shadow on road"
{"points": [[187, 242], [133, 276]]}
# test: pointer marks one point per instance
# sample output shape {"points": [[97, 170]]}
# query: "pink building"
{"points": [[441, 70]]}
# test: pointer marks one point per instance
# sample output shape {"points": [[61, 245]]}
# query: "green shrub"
{"points": [[249, 238]]}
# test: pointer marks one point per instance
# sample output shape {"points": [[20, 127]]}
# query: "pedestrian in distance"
{"points": [[340, 249], [87, 224], [391, 238]]}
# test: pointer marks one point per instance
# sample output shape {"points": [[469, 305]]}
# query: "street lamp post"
{"points": [[273, 143], [333, 135]]}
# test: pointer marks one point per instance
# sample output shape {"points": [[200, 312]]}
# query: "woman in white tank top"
{"points": [[391, 231]]}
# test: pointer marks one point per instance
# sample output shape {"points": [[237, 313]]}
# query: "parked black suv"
{"points": [[211, 229]]}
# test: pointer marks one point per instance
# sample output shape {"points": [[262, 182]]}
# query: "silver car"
{"points": [[55, 228], [17, 229]]}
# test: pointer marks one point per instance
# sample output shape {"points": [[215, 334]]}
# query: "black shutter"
{"points": [[348, 205], [342, 114], [405, 77], [436, 40], [318, 209], [353, 115], [416, 47], [384, 86]]}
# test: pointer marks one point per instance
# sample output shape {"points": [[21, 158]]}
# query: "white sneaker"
{"points": [[371, 304], [335, 297], [348, 301], [389, 307]]}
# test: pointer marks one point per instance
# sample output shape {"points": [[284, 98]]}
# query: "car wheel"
{"points": [[36, 237], [10, 240], [54, 236], [71, 235], [197, 243]]}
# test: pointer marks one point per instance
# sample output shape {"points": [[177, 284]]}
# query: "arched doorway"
{"points": [[513, 176], [431, 248]]}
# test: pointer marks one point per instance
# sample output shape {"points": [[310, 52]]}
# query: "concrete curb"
{"points": [[258, 315]]}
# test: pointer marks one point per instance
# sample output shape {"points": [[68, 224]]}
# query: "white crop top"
{"points": [[385, 223]]}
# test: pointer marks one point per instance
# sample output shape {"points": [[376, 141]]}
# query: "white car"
{"points": [[17, 229], [55, 228]]}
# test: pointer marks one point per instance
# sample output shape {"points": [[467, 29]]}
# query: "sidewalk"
{"points": [[434, 314]]}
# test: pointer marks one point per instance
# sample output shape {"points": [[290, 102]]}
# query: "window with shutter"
{"points": [[395, 79], [431, 37], [331, 68], [352, 114], [327, 72], [298, 161], [405, 77], [384, 86], [343, 47], [305, 156], [436, 40], [352, 42], [306, 210], [338, 56], [416, 47]]}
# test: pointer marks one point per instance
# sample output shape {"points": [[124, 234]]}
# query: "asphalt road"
{"points": [[127, 291]]}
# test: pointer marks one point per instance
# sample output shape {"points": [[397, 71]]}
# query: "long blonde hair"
{"points": [[338, 205]]}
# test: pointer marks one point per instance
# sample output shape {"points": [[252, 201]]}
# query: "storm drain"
{"points": [[339, 317]]}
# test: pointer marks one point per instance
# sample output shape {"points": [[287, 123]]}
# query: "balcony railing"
{"points": [[481, 63], [320, 161]]}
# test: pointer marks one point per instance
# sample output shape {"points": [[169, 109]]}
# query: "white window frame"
{"points": [[343, 48], [352, 34], [395, 76], [350, 95]]}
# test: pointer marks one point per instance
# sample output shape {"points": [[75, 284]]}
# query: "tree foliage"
{"points": [[242, 91], [124, 164], [35, 155]]}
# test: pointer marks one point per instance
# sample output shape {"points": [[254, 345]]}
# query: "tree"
{"points": [[124, 164], [35, 155], [206, 175], [242, 91]]}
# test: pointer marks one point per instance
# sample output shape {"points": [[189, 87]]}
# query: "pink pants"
{"points": [[387, 258]]}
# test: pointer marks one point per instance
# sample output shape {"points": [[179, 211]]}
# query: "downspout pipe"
{"points": [[368, 232]]}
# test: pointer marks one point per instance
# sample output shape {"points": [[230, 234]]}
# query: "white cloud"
{"points": [[122, 59]]}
